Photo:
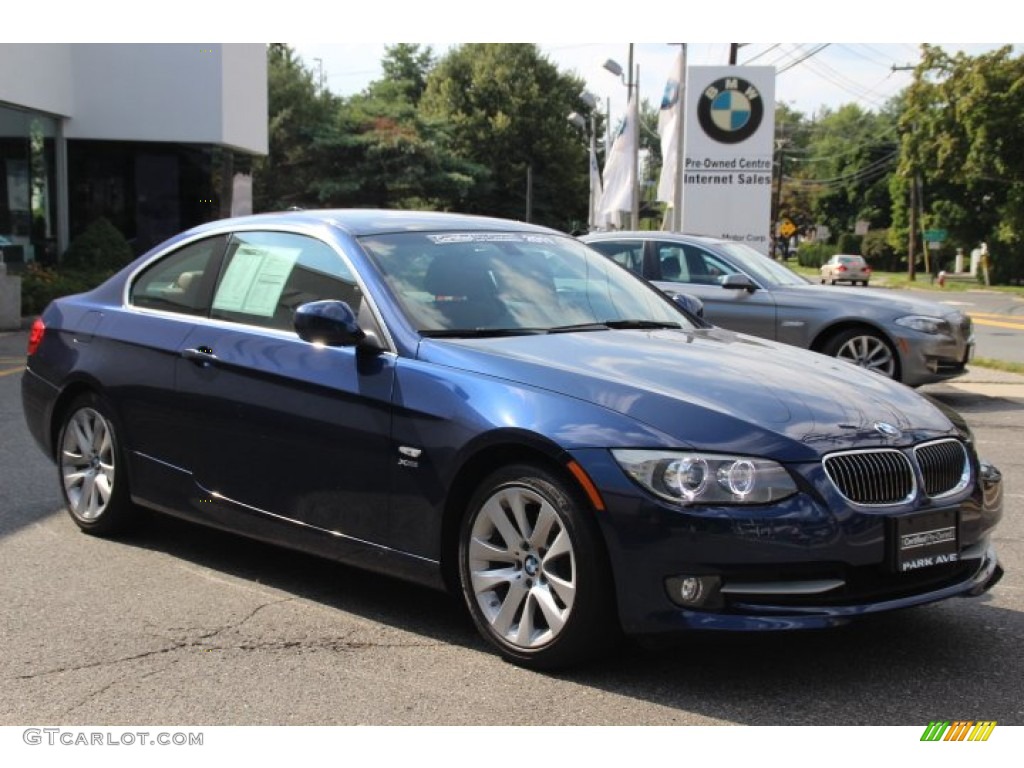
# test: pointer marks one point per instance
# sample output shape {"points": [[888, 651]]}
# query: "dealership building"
{"points": [[154, 137]]}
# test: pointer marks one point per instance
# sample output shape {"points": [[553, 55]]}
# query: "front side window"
{"points": [[181, 281], [763, 269], [268, 275]]}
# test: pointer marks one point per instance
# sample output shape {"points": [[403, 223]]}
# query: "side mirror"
{"points": [[690, 304], [738, 282], [331, 323]]}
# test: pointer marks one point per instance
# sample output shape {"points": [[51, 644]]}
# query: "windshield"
{"points": [[760, 267], [486, 283]]}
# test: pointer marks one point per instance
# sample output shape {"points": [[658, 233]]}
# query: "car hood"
{"points": [[712, 388], [853, 299]]}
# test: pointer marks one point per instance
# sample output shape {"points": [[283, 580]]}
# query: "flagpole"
{"points": [[634, 220]]}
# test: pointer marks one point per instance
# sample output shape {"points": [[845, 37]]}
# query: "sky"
{"points": [[349, 38], [808, 76]]}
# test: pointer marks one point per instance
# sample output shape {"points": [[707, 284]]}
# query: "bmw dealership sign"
{"points": [[727, 166]]}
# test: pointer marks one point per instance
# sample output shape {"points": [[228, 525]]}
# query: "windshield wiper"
{"points": [[578, 327], [477, 333], [639, 324], [614, 325]]}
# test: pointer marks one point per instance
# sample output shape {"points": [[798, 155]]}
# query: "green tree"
{"points": [[406, 67], [960, 136], [848, 157], [505, 108], [299, 121]]}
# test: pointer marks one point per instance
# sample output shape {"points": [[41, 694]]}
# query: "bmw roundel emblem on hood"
{"points": [[730, 110], [887, 429]]}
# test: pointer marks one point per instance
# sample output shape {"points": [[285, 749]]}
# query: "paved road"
{"points": [[998, 320], [180, 624]]}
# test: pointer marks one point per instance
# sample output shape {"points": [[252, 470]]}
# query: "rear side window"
{"points": [[180, 281], [268, 275], [629, 254]]}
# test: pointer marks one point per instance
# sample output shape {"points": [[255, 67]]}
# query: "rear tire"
{"points": [[533, 570], [92, 469]]}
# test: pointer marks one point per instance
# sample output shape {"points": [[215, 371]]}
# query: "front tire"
{"points": [[865, 348], [92, 469], [533, 571]]}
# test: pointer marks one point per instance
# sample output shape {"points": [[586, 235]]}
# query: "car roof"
{"points": [[649, 234], [369, 221]]}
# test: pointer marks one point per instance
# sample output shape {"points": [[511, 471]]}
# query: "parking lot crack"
{"points": [[171, 646]]}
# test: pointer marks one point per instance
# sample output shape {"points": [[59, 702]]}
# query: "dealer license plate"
{"points": [[927, 540]]}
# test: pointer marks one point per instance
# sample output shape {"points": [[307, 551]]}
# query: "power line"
{"points": [[813, 52], [769, 49], [870, 171]]}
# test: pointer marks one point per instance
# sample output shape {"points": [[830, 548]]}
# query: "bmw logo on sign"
{"points": [[730, 110]]}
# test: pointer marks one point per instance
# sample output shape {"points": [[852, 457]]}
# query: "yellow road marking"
{"points": [[13, 370], [997, 324]]}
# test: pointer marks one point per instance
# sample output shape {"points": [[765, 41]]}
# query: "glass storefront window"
{"points": [[28, 215]]}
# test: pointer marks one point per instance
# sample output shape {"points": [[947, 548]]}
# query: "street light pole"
{"points": [[580, 123], [632, 119]]}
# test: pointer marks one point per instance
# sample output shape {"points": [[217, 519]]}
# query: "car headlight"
{"points": [[689, 478], [925, 324]]}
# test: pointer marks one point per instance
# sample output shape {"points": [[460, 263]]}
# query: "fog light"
{"points": [[690, 590], [694, 591]]}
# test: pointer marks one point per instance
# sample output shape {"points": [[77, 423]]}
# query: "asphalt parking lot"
{"points": [[179, 624]]}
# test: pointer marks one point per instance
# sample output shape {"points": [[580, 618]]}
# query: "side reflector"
{"points": [[588, 485], [35, 336]]}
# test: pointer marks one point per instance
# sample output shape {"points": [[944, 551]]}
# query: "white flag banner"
{"points": [[620, 169], [668, 130]]}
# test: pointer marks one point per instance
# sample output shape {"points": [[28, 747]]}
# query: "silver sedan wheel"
{"points": [[87, 464], [869, 352], [522, 567]]}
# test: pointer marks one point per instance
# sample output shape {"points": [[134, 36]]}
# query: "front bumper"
{"points": [[978, 572], [928, 358], [809, 561]]}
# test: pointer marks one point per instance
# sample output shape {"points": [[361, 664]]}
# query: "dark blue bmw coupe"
{"points": [[494, 408]]}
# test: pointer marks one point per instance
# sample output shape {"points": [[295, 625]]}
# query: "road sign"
{"points": [[935, 235], [787, 228]]}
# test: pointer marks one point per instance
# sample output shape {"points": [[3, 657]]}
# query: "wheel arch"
{"points": [[492, 453], [827, 334], [71, 392]]}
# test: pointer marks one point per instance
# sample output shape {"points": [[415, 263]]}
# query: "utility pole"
{"points": [[529, 192], [911, 254], [781, 146]]}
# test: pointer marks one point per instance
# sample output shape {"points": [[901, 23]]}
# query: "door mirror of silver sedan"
{"points": [[691, 304], [331, 323], [738, 282]]}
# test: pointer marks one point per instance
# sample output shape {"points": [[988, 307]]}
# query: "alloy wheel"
{"points": [[87, 464], [522, 567], [869, 352]]}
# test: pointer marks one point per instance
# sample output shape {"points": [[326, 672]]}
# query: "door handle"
{"points": [[202, 356]]}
